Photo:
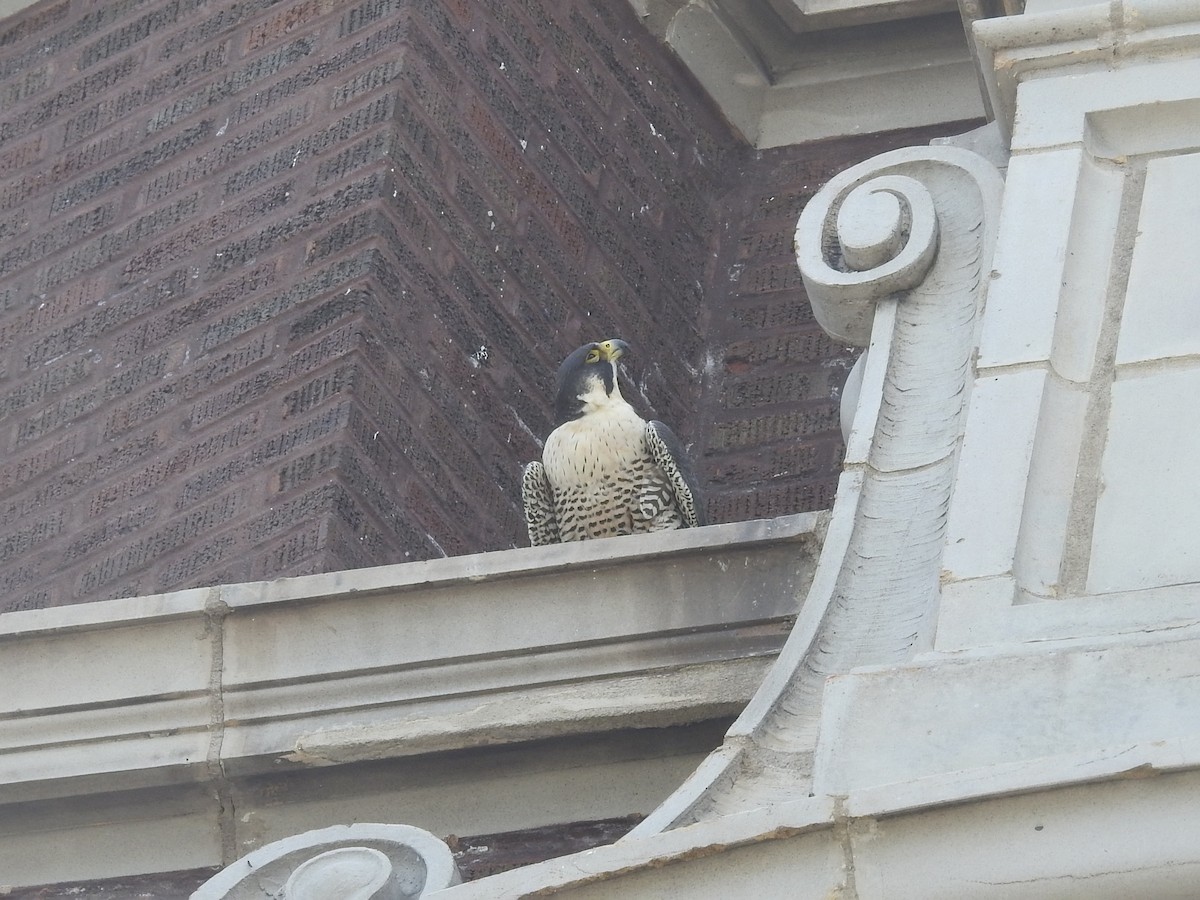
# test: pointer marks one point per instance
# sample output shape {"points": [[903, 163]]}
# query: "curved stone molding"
{"points": [[343, 862], [896, 254]]}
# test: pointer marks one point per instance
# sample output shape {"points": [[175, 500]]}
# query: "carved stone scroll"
{"points": [[895, 254], [862, 241]]}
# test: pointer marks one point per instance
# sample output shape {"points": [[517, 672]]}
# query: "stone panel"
{"points": [[1146, 513], [1160, 318]]}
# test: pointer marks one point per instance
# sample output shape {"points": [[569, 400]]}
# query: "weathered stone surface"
{"points": [[297, 694]]}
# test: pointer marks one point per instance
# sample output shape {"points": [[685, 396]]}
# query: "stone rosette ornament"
{"points": [[343, 862]]}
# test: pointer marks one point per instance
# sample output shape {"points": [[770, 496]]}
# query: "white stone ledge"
{"points": [[990, 614], [1007, 710], [1060, 821], [377, 663]]}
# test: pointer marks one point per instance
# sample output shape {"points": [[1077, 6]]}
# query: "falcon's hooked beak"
{"points": [[613, 350]]}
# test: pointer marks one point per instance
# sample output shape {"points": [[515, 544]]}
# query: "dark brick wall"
{"points": [[771, 442], [283, 284]]}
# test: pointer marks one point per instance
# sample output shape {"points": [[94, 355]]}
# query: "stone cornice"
{"points": [[1014, 49], [393, 661], [781, 88]]}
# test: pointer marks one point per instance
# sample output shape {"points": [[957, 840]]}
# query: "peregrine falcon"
{"points": [[605, 470]]}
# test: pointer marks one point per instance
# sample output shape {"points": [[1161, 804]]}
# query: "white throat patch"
{"points": [[595, 398]]}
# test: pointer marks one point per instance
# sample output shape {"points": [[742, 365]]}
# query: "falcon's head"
{"points": [[588, 378]]}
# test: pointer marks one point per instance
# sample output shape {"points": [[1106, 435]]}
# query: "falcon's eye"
{"points": [[593, 355]]}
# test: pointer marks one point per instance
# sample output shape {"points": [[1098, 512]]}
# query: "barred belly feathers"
{"points": [[605, 470]]}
